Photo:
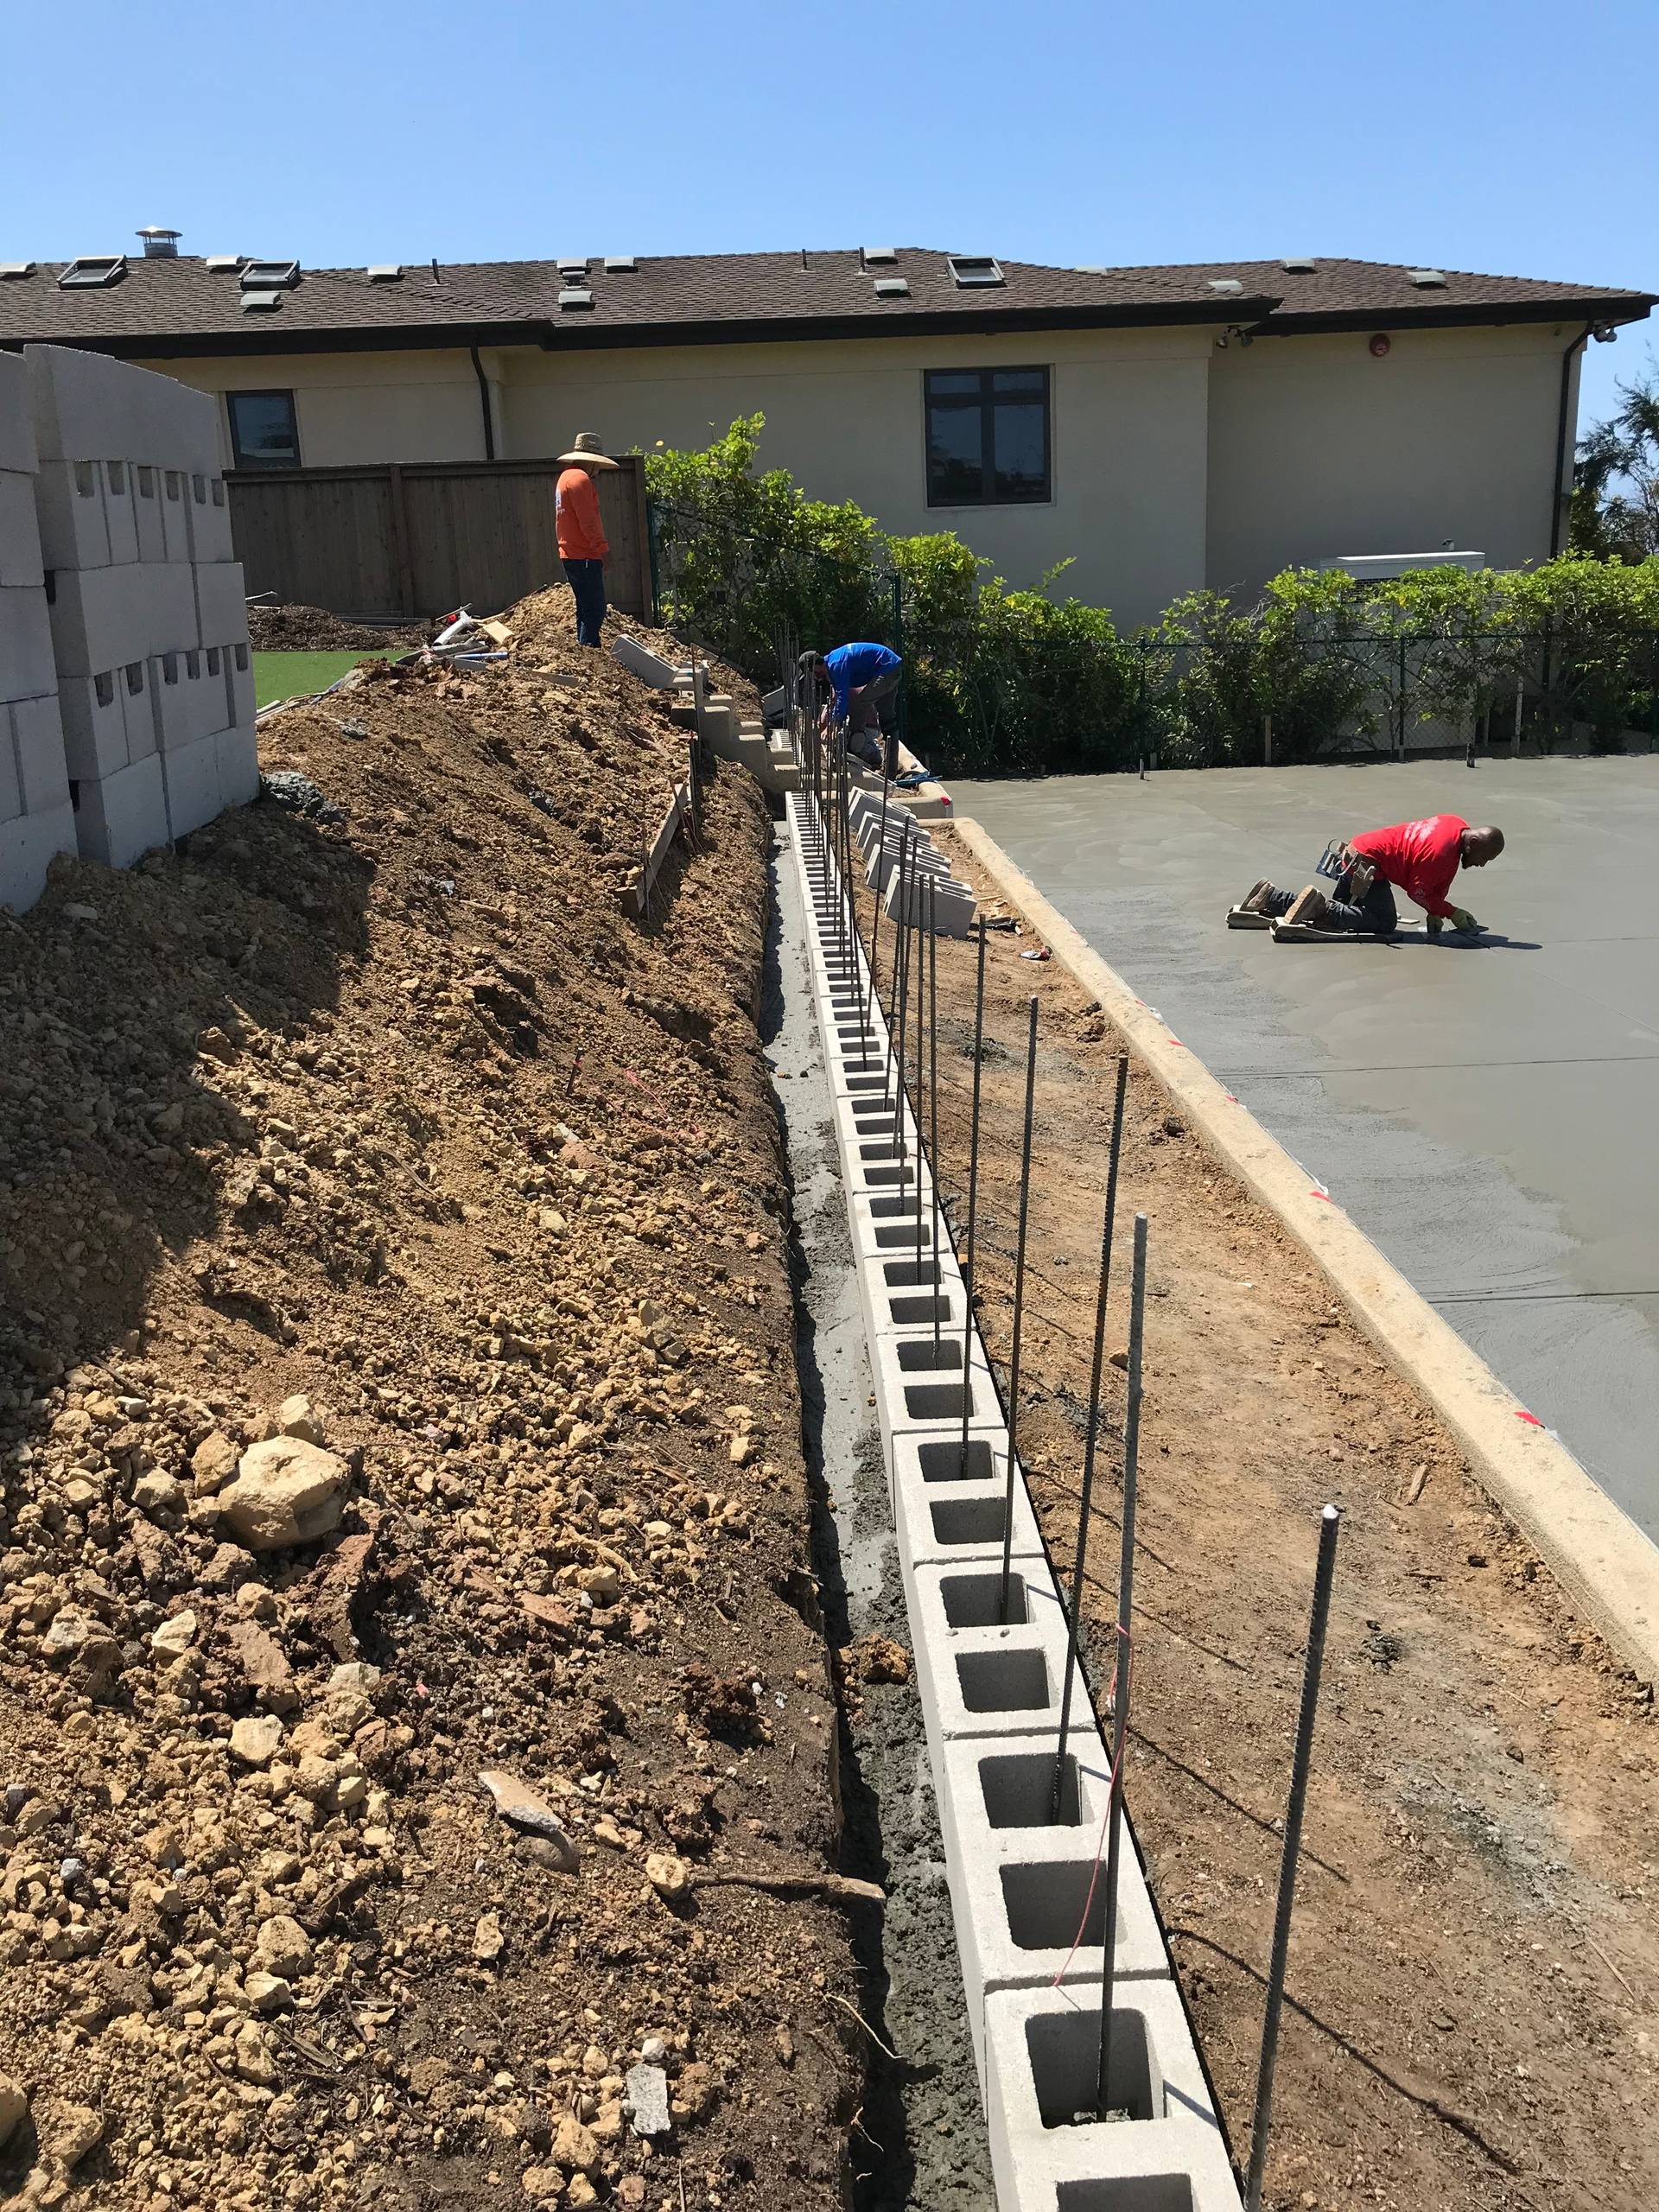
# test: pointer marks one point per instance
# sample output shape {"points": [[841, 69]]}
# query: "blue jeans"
{"points": [[587, 583]]}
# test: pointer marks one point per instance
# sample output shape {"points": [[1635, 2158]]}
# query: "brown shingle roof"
{"points": [[177, 306]]}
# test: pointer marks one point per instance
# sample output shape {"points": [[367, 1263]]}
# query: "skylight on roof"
{"points": [[90, 272], [574, 296], [222, 264], [1229, 287], [620, 265], [972, 270], [11, 269], [1297, 265], [262, 275], [891, 287], [1428, 279], [385, 272], [260, 302]]}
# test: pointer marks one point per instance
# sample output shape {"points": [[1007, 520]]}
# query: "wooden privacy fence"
{"points": [[420, 537]]}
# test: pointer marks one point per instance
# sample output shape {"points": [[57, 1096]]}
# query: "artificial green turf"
{"points": [[294, 675]]}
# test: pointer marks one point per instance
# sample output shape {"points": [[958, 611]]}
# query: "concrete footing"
{"points": [[1025, 1870]]}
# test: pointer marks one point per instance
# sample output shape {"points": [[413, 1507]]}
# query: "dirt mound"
{"points": [[548, 618], [387, 1136], [314, 630]]}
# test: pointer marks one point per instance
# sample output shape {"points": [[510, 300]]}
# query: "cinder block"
{"points": [[238, 766], [20, 537], [169, 701], [175, 513], [94, 723], [88, 407], [1042, 2059], [649, 666], [28, 845], [69, 501], [942, 1519], [210, 518], [191, 776], [978, 1673], [921, 1383], [238, 684], [221, 602], [103, 618], [204, 691], [942, 905], [18, 452], [1029, 1901], [147, 512], [138, 709], [37, 735], [11, 789], [119, 819], [26, 668], [120, 519]]}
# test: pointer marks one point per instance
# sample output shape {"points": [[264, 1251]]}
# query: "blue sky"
{"points": [[1049, 131]]}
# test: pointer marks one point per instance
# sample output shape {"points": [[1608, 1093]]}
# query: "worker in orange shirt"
{"points": [[582, 545]]}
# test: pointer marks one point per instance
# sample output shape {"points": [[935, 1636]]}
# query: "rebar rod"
{"points": [[933, 1114], [1092, 1434], [1125, 1659], [920, 893], [875, 906], [899, 1140], [1019, 1307], [973, 1203], [1330, 1522]]}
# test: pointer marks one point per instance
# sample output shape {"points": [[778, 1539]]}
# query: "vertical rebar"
{"points": [[1019, 1306], [920, 888], [972, 1204], [1092, 1433], [1330, 1522], [1125, 1657], [933, 1112], [902, 992], [875, 907]]}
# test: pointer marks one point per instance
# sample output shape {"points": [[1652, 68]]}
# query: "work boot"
{"points": [[1259, 899], [1310, 909]]}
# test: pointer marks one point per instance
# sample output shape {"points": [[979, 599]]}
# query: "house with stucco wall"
{"points": [[1158, 428]]}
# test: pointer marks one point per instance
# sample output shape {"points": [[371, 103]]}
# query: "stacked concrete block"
{"points": [[36, 822], [148, 609], [1023, 1832]]}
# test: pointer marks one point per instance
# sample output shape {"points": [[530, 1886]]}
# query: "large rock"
{"points": [[286, 1491], [14, 2105]]}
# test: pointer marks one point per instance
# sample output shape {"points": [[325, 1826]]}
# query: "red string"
{"points": [[1126, 1648]]}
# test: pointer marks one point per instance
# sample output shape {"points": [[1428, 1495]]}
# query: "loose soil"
{"points": [[1473, 2002], [299, 629], [388, 1107]]}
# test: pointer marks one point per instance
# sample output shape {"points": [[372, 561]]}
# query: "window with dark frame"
{"points": [[988, 442], [264, 430]]}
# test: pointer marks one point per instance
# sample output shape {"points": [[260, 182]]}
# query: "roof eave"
{"points": [[1629, 307]]}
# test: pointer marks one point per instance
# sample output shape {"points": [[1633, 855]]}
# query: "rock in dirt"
{"points": [[13, 2108], [647, 2099], [69, 2132], [286, 1491], [282, 1948], [256, 1739], [669, 1877], [521, 1807], [488, 1941]]}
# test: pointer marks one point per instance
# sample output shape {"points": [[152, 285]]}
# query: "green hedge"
{"points": [[1008, 682]]}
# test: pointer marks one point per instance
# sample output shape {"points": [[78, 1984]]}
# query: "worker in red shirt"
{"points": [[582, 545], [1420, 858]]}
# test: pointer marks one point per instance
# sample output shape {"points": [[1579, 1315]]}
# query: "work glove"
{"points": [[1463, 919]]}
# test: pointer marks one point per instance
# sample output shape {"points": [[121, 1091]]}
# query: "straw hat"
{"points": [[588, 452]]}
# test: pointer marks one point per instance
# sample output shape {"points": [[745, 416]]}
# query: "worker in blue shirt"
{"points": [[860, 676]]}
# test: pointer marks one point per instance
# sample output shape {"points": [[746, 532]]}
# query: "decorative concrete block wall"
{"points": [[121, 601]]}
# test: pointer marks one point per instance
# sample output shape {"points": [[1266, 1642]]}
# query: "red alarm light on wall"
{"points": [[1380, 345]]}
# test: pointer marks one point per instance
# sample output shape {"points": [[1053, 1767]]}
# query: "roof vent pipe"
{"points": [[160, 245]]}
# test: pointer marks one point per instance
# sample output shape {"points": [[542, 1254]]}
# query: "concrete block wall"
{"points": [[145, 634], [1025, 1866], [36, 820]]}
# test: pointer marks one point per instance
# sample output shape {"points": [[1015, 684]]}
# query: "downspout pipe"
{"points": [[489, 420], [1561, 502]]}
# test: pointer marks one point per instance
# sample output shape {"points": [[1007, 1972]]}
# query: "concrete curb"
{"points": [[1599, 1555]]}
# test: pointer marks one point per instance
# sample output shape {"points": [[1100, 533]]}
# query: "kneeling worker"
{"points": [[861, 677], [1420, 858]]}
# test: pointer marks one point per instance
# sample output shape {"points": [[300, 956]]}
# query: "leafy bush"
{"points": [[1002, 682]]}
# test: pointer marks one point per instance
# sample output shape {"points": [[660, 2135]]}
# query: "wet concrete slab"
{"points": [[1489, 1113]]}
